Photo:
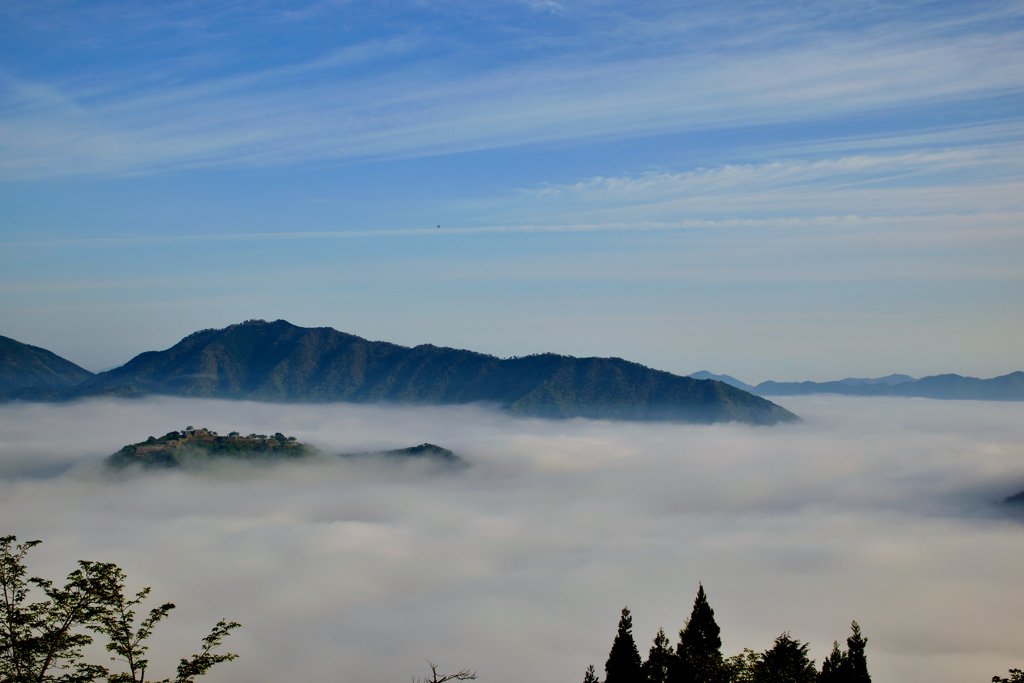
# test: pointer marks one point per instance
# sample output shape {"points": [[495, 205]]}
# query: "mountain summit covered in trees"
{"points": [[278, 361], [191, 446], [176, 448]]}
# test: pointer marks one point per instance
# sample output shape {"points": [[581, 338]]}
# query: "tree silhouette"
{"points": [[659, 659], [699, 652], [591, 676], [435, 677], [741, 666], [44, 640], [850, 666], [623, 665], [786, 662], [856, 660], [834, 668]]}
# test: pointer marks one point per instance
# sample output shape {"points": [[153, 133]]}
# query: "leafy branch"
{"points": [[42, 641]]}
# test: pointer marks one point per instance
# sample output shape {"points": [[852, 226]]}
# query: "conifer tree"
{"points": [[856, 660], [699, 653], [591, 676], [834, 668], [785, 662], [659, 659], [623, 665]]}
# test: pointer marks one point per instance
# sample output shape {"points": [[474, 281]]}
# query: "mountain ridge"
{"points": [[31, 368], [278, 361], [1009, 387], [728, 379]]}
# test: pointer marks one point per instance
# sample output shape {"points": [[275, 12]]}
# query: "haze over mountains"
{"points": [[948, 387], [278, 361]]}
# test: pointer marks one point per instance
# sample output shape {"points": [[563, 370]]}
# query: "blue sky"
{"points": [[798, 190]]}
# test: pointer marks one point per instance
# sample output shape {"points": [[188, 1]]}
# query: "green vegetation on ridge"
{"points": [[278, 361], [191, 446], [32, 371], [177, 448]]}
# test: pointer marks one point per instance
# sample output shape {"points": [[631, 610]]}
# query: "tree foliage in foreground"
{"points": [[850, 666], [660, 659], [785, 662], [697, 658], [44, 627], [624, 663], [699, 653]]}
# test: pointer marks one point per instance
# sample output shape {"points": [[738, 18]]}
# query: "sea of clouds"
{"points": [[883, 510]]}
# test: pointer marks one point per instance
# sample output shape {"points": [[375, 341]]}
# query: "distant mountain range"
{"points": [[728, 379], [278, 361], [1005, 388]]}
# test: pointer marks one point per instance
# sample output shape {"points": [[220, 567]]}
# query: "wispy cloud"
{"points": [[424, 107], [942, 176], [812, 142], [753, 177], [990, 225]]}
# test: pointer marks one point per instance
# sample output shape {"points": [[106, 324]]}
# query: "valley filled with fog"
{"points": [[883, 510]]}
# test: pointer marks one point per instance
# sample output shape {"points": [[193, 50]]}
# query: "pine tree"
{"points": [[699, 653], [835, 667], [849, 666], [591, 676], [659, 659], [856, 660], [701, 635], [786, 662], [623, 665]]}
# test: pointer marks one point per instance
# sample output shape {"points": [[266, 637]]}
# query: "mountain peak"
{"points": [[27, 367], [728, 379], [278, 361]]}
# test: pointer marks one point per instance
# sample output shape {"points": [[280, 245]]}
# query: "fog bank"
{"points": [[875, 509]]}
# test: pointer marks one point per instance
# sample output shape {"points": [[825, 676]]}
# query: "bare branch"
{"points": [[435, 677]]}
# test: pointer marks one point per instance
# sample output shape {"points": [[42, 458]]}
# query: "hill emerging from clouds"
{"points": [[278, 361]]}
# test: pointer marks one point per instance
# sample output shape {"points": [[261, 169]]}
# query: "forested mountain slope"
{"points": [[278, 361], [23, 366]]}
